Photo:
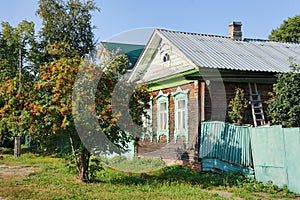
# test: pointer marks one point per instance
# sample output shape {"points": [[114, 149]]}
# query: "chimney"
{"points": [[235, 30]]}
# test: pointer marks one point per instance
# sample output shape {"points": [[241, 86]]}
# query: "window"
{"points": [[165, 52], [181, 114], [162, 115], [166, 60], [166, 57], [146, 121], [181, 109]]}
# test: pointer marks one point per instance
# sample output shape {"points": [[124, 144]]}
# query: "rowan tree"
{"points": [[13, 96], [51, 108]]}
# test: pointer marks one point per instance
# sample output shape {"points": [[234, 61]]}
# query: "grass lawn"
{"points": [[34, 176]]}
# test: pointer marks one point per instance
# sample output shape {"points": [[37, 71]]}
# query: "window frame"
{"points": [[147, 128], [166, 59], [160, 99], [180, 95], [165, 54]]}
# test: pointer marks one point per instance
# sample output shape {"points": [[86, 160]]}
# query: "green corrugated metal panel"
{"points": [[225, 142], [268, 154], [210, 131], [292, 147], [276, 155], [217, 166]]}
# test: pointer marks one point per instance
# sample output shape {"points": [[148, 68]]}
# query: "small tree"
{"points": [[284, 102], [238, 106]]}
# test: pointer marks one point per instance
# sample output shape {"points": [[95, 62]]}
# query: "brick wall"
{"points": [[169, 150]]}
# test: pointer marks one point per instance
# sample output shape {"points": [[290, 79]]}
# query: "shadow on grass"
{"points": [[175, 174]]}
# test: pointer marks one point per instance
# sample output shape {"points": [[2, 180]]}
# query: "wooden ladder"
{"points": [[256, 105]]}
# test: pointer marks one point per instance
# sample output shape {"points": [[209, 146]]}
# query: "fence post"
{"points": [[17, 146]]}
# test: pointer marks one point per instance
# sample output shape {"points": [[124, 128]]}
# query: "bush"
{"points": [[238, 106], [284, 102]]}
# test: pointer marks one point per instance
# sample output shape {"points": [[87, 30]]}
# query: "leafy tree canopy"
{"points": [[284, 104], [18, 49], [69, 22], [289, 30]]}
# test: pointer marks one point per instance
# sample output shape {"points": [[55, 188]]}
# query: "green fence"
{"points": [[274, 152], [225, 147], [276, 155]]}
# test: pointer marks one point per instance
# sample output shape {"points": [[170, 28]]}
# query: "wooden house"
{"points": [[193, 77]]}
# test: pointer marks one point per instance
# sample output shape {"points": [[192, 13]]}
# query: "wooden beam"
{"points": [[202, 101], [269, 80]]}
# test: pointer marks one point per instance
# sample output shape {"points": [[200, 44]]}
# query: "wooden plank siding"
{"points": [[230, 87], [171, 150]]}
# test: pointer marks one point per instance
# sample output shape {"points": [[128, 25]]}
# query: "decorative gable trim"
{"points": [[152, 48]]}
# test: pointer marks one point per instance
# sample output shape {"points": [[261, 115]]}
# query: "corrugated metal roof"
{"points": [[219, 52]]}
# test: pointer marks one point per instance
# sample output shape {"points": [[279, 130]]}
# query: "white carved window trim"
{"points": [[147, 123], [180, 96], [162, 116]]}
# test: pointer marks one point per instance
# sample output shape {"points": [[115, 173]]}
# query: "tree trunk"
{"points": [[84, 159], [81, 160]]}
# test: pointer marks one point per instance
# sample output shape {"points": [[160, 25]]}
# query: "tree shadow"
{"points": [[175, 174]]}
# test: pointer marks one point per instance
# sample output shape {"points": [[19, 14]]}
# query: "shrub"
{"points": [[284, 102], [237, 106]]}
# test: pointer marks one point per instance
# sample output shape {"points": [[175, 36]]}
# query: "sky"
{"points": [[118, 19]]}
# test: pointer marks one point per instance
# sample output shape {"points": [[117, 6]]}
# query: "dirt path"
{"points": [[224, 194], [260, 195], [16, 170]]}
